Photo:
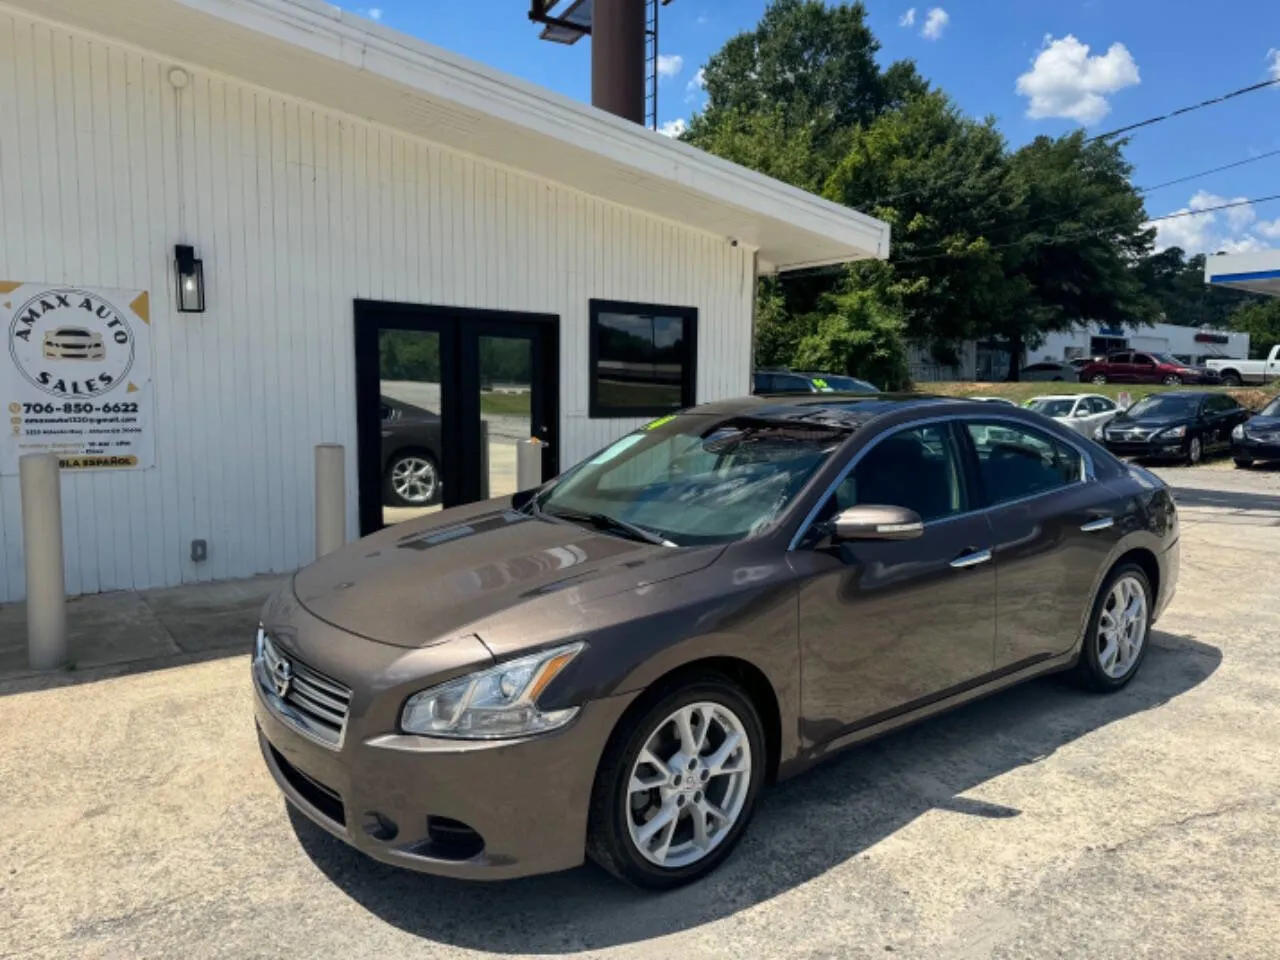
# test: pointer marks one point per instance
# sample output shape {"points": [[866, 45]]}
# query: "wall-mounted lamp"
{"points": [[190, 272]]}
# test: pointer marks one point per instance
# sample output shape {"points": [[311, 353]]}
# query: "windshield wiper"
{"points": [[602, 521]]}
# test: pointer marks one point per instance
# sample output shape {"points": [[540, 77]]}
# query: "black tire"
{"points": [[1088, 672], [1194, 452], [609, 841], [1098, 378], [391, 497], [1173, 380], [1243, 463], [1231, 379]]}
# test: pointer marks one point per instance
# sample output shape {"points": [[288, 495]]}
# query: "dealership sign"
{"points": [[76, 377]]}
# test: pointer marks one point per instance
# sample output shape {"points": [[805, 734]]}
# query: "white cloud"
{"points": [[1273, 63], [908, 19], [703, 20], [934, 23], [673, 128], [375, 13], [1234, 230], [1064, 81], [693, 89], [670, 66]]}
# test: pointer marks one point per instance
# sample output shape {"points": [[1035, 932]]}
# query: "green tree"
{"points": [[1176, 283], [940, 180], [1261, 320], [783, 98], [1078, 226], [858, 335]]}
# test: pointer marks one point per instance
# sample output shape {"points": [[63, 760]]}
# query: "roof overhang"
{"points": [[1254, 272], [317, 53]]}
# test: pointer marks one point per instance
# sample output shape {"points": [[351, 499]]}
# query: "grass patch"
{"points": [[505, 404], [1252, 397]]}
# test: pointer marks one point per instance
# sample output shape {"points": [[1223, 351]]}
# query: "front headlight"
{"points": [[1238, 432], [1173, 433], [492, 704]]}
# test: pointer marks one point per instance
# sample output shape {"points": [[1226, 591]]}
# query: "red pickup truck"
{"points": [[1132, 366]]}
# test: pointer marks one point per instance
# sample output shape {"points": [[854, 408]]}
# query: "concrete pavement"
{"points": [[1041, 822]]}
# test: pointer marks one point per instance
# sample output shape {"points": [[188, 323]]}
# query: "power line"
{"points": [[1089, 233], [1151, 121], [1205, 173]]}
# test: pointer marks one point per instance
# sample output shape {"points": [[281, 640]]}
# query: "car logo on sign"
{"points": [[281, 677]]}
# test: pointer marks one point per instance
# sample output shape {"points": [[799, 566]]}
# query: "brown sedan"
{"points": [[614, 665]]}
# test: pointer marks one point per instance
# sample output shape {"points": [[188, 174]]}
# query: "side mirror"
{"points": [[1082, 412], [874, 522]]}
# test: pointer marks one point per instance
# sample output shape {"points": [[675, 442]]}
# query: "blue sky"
{"points": [[1039, 66]]}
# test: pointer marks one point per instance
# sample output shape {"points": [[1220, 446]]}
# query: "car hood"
{"points": [[463, 570], [1254, 424]]}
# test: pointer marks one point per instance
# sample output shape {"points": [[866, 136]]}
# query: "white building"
{"points": [[1188, 344], [374, 217]]}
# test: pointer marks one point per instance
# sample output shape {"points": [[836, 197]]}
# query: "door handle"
{"points": [[1102, 523], [971, 559]]}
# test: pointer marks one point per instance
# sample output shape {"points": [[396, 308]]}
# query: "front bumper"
{"points": [[1151, 449], [1249, 449], [470, 809], [1170, 566]]}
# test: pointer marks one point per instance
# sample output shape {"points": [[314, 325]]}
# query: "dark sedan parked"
{"points": [[615, 664], [410, 455], [1259, 438], [1183, 425]]}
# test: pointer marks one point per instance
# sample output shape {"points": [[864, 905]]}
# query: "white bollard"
{"points": [[41, 490], [331, 498], [529, 464]]}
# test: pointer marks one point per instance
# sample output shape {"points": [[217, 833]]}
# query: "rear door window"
{"points": [[1018, 461]]}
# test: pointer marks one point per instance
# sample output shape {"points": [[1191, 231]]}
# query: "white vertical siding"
{"points": [[104, 166]]}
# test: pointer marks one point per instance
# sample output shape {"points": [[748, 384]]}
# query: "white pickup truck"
{"points": [[1236, 372]]}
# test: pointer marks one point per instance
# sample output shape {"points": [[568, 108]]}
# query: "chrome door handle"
{"points": [[1102, 523], [971, 559]]}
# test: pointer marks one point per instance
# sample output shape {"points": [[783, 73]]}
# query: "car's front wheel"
{"points": [[412, 479], [1244, 463], [677, 785], [1172, 380], [1099, 378], [1195, 451], [1115, 643]]}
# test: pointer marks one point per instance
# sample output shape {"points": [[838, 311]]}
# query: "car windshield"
{"points": [[1157, 406], [850, 385], [1166, 359], [1051, 408], [694, 479], [1272, 409]]}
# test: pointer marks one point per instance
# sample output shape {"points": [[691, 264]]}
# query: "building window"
{"points": [[643, 359]]}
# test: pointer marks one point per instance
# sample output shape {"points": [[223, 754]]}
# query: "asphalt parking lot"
{"points": [[140, 822]]}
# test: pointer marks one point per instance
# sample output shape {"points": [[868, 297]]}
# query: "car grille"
{"points": [[1131, 435], [315, 704]]}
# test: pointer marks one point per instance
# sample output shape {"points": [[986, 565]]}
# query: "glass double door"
{"points": [[444, 396]]}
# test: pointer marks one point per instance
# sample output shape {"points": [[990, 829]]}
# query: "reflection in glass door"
{"points": [[413, 459], [506, 385]]}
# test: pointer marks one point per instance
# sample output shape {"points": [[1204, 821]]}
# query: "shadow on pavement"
{"points": [[802, 829], [1192, 497]]}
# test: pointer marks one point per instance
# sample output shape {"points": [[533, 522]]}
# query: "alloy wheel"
{"points": [[1194, 450], [414, 479], [689, 785], [1172, 380], [1100, 378], [1122, 627]]}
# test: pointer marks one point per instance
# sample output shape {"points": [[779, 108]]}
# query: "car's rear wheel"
{"points": [[1231, 379], [1172, 380], [412, 479], [678, 785], [1195, 451], [1115, 643], [1099, 378], [1244, 463]]}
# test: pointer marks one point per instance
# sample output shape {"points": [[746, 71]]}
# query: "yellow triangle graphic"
{"points": [[142, 307], [133, 387], [8, 286]]}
